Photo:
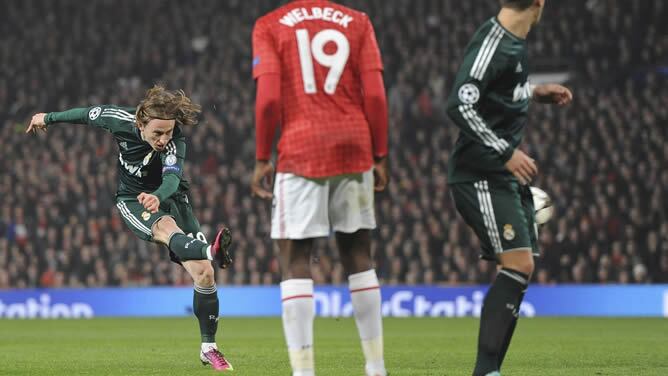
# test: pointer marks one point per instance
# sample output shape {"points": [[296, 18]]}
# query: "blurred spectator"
{"points": [[603, 159]]}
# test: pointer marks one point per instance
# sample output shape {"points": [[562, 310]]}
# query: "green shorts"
{"points": [[141, 221], [500, 212]]}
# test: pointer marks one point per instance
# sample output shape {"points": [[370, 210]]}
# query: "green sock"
{"points": [[187, 248], [205, 307], [497, 317], [511, 330]]}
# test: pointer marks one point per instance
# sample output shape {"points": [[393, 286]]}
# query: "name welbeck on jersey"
{"points": [[298, 15]]}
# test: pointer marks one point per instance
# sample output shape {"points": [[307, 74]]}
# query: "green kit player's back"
{"points": [[489, 175], [489, 104]]}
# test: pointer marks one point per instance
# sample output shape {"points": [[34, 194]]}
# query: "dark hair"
{"points": [[517, 4], [168, 105]]}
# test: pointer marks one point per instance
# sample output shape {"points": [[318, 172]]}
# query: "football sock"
{"points": [[498, 314], [187, 248], [365, 296], [511, 330], [206, 346], [205, 307], [298, 314]]}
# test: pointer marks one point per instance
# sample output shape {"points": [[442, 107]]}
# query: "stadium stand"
{"points": [[603, 159]]}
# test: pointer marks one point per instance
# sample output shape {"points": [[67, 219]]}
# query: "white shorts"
{"points": [[310, 208]]}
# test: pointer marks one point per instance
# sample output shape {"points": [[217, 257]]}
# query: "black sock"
{"points": [[205, 307], [187, 248], [511, 330], [498, 314]]}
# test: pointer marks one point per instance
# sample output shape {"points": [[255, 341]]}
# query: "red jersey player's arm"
{"points": [[373, 89], [375, 108], [267, 113], [267, 72]]}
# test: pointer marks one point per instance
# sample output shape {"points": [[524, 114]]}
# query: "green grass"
{"points": [[542, 346]]}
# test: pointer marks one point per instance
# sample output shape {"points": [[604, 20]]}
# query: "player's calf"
{"points": [[499, 311], [201, 272], [187, 248]]}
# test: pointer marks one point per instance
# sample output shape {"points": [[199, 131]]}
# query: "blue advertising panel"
{"points": [[334, 301]]}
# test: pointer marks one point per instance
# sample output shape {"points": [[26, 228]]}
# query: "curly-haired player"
{"points": [[152, 194]]}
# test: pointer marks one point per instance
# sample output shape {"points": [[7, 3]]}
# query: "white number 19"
{"points": [[315, 50]]}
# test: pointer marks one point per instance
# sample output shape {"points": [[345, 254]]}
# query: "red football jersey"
{"points": [[319, 48]]}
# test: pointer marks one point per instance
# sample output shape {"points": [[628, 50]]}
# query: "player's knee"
{"points": [[519, 261], [297, 267], [362, 261], [164, 227], [299, 255], [525, 266], [203, 275], [356, 263]]}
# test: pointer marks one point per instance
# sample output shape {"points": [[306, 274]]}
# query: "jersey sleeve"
{"points": [[173, 157], [267, 114], [107, 117], [482, 64], [370, 59], [265, 56], [172, 166]]}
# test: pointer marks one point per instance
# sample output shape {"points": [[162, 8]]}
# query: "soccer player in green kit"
{"points": [[488, 174], [152, 194]]}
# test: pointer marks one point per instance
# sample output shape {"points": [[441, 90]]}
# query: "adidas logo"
{"points": [[124, 145], [518, 69]]}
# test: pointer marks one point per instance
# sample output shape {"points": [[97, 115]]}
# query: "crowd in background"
{"points": [[602, 159]]}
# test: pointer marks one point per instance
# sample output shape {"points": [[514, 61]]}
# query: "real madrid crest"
{"points": [[508, 232], [145, 215]]}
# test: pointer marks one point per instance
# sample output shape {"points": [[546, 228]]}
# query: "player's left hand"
{"points": [[381, 174], [37, 122], [553, 94], [150, 202]]}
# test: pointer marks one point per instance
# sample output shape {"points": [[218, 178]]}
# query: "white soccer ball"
{"points": [[544, 209]]}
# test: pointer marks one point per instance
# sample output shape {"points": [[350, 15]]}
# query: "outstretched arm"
{"points": [[42, 120], [37, 123], [552, 94], [107, 117]]}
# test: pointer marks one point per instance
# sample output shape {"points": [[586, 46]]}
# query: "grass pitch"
{"points": [[542, 346]]}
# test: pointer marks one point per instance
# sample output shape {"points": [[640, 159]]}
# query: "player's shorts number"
{"points": [[199, 236], [315, 49]]}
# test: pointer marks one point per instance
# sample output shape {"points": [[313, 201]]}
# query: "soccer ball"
{"points": [[544, 209]]}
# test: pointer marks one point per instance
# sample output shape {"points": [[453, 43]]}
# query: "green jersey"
{"points": [[140, 168], [489, 103]]}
